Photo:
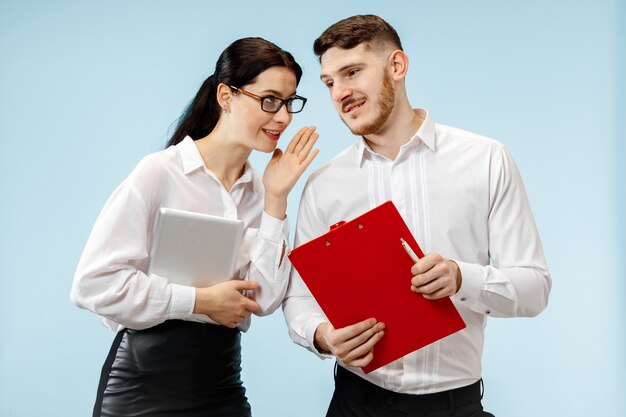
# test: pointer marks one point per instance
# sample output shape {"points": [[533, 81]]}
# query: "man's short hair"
{"points": [[353, 31]]}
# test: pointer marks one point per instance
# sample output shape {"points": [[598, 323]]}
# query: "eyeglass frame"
{"points": [[262, 100]]}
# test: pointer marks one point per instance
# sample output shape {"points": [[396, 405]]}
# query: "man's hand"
{"points": [[435, 277], [352, 345]]}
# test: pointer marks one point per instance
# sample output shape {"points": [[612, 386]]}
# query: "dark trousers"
{"points": [[356, 397], [177, 368]]}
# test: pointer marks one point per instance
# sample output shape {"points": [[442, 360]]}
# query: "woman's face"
{"points": [[255, 128]]}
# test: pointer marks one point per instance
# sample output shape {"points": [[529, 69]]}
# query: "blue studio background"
{"points": [[88, 88]]}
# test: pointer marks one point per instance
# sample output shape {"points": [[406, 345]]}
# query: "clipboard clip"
{"points": [[336, 225]]}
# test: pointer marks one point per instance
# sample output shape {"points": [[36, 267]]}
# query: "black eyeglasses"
{"points": [[271, 104]]}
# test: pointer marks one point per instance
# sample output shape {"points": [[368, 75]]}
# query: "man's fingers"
{"points": [[363, 338], [444, 292], [436, 272], [364, 348], [348, 332], [425, 263], [360, 362]]}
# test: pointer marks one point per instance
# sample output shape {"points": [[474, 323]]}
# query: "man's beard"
{"points": [[386, 99]]}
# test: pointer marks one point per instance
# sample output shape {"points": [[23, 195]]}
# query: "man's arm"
{"points": [[308, 326], [517, 282]]}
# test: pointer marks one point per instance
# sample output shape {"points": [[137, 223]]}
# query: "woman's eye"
{"points": [[329, 84], [270, 100]]}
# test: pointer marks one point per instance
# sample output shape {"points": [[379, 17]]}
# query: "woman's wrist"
{"points": [[275, 206]]}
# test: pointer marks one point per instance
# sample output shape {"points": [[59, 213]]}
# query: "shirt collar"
{"points": [[192, 160], [189, 155], [425, 134]]}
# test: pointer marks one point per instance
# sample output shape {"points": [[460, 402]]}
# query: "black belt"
{"points": [[352, 384]]}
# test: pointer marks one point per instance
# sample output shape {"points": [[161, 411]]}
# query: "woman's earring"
{"points": [[225, 110]]}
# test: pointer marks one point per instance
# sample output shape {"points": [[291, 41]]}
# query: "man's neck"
{"points": [[399, 129]]}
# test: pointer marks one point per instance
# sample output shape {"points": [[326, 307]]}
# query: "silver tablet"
{"points": [[195, 249]]}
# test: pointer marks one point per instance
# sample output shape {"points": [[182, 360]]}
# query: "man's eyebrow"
{"points": [[342, 69]]}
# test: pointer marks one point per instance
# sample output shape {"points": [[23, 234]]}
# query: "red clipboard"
{"points": [[359, 270]]}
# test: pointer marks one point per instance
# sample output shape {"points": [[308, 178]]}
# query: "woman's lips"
{"points": [[272, 134]]}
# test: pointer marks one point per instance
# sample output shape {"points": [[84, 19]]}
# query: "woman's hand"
{"points": [[284, 169], [225, 303]]}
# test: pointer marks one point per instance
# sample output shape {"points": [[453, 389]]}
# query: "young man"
{"points": [[463, 199]]}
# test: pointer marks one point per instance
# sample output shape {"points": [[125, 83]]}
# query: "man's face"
{"points": [[360, 87]]}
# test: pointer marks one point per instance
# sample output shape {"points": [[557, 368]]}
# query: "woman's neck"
{"points": [[223, 157]]}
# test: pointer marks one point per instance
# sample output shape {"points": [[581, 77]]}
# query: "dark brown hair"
{"points": [[238, 65], [353, 31]]}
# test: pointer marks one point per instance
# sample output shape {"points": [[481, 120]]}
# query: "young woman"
{"points": [[177, 350]]}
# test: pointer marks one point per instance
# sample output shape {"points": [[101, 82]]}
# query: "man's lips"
{"points": [[272, 134], [352, 104]]}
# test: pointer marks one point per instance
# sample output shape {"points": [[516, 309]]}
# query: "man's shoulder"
{"points": [[336, 167], [454, 136]]}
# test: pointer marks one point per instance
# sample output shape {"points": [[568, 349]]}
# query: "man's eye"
{"points": [[352, 72], [329, 84]]}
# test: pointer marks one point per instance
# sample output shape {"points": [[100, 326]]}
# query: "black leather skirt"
{"points": [[177, 368]]}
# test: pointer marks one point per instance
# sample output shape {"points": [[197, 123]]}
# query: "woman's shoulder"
{"points": [[155, 168]]}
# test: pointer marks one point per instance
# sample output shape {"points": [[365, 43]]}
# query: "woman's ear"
{"points": [[398, 64], [224, 97]]}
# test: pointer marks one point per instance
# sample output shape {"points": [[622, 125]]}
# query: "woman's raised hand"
{"points": [[285, 168]]}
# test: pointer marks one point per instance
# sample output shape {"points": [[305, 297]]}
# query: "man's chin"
{"points": [[355, 128]]}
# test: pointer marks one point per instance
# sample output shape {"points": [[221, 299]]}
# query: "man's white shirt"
{"points": [[461, 196]]}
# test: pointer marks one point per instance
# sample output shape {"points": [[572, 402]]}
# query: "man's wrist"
{"points": [[318, 340], [459, 276]]}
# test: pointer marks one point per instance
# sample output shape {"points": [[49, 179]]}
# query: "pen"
{"points": [[408, 250]]}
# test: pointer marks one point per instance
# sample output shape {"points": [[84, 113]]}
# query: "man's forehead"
{"points": [[335, 58]]}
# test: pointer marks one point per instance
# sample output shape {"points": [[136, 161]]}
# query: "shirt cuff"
{"points": [[472, 283], [273, 229], [182, 302], [309, 333]]}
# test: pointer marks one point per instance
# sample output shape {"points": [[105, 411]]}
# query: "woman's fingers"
{"points": [[295, 140], [305, 151], [305, 164], [303, 140]]}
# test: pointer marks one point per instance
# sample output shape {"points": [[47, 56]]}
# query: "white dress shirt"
{"points": [[461, 196], [111, 278]]}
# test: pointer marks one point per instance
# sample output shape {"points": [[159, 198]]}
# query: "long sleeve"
{"points": [[267, 249], [110, 279], [301, 311], [517, 282]]}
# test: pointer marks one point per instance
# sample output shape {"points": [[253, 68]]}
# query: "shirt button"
{"points": [[487, 311], [389, 401], [463, 298]]}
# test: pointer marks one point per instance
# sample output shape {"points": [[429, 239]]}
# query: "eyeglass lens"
{"points": [[273, 104]]}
